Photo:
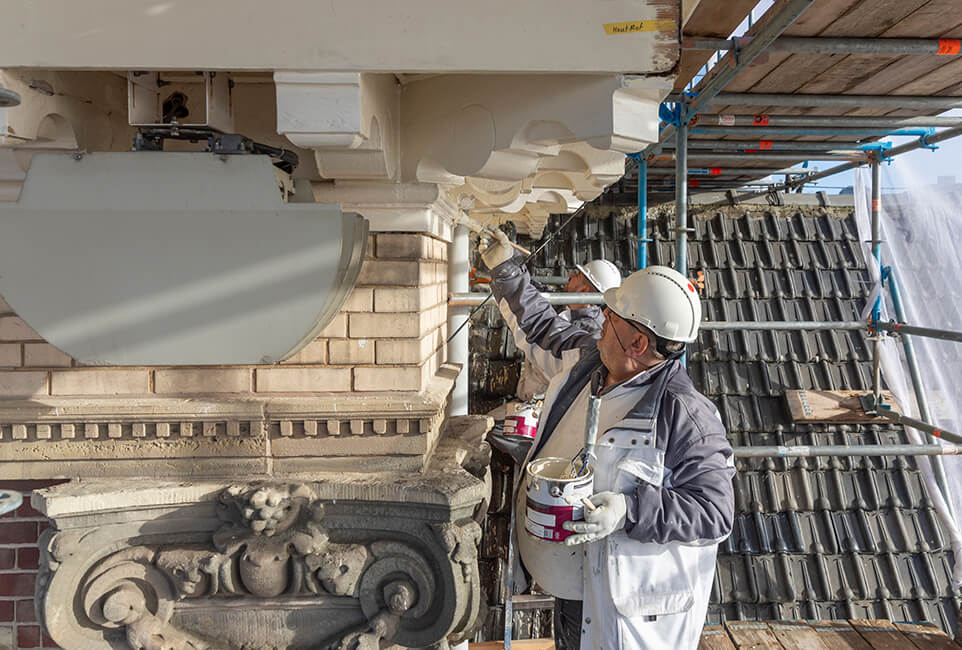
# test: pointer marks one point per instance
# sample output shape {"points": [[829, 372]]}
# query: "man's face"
{"points": [[578, 283], [616, 335]]}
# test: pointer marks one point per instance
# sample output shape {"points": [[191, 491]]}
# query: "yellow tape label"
{"points": [[635, 26]]}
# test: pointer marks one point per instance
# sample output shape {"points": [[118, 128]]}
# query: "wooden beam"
{"points": [[714, 637], [832, 406]]}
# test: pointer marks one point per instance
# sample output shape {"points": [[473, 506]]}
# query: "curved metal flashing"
{"points": [[162, 258]]}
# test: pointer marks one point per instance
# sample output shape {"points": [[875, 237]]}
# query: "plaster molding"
{"points": [[349, 119], [394, 207]]}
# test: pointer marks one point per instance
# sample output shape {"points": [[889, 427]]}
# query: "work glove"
{"points": [[609, 516], [498, 251]]}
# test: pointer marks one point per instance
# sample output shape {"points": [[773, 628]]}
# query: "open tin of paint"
{"points": [[552, 499]]}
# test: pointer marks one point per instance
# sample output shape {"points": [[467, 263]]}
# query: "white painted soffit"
{"points": [[158, 258], [344, 35]]}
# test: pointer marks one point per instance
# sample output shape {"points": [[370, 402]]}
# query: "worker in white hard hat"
{"points": [[638, 570], [596, 276]]}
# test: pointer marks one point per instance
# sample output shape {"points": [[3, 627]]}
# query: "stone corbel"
{"points": [[349, 119], [500, 127], [394, 207]]}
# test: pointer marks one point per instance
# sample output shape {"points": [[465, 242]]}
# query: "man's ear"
{"points": [[639, 345]]}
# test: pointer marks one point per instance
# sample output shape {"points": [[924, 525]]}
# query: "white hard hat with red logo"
{"points": [[661, 299], [602, 274]]}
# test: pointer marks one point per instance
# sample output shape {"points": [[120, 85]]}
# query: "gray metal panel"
{"points": [[157, 258]]}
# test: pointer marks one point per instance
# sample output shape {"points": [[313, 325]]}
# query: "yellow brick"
{"points": [[13, 328], [10, 355], [351, 351], [405, 273], [44, 355], [365, 326], [403, 246], [22, 384], [299, 380], [391, 351], [405, 299], [361, 299], [99, 382], [313, 352], [336, 329], [392, 378], [202, 380]]}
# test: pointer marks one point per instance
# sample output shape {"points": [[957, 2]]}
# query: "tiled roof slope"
{"points": [[817, 538]]}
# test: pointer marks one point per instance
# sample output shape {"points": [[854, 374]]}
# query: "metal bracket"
{"points": [[870, 407], [773, 197], [730, 197], [822, 198]]}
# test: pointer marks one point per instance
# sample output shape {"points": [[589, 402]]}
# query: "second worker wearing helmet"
{"points": [[639, 570]]}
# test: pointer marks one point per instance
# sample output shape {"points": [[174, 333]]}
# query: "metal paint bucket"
{"points": [[522, 422], [552, 500]]}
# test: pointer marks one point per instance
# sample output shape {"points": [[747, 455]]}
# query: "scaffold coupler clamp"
{"points": [[877, 151], [924, 140], [871, 407]]}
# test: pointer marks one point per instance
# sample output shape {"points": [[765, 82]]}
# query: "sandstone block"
{"points": [[351, 351], [407, 351], [10, 355], [405, 273], [336, 329], [405, 299], [404, 246], [389, 378], [44, 355], [361, 299], [385, 325], [202, 380], [313, 352], [284, 380], [23, 384], [99, 382], [14, 328], [4, 307]]}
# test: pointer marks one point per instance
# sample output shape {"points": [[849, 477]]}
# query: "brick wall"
{"points": [[18, 571], [388, 337]]}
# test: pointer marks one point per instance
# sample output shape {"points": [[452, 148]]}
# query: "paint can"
{"points": [[552, 499], [521, 421]]}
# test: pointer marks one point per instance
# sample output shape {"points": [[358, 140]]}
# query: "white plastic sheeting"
{"points": [[921, 230]]}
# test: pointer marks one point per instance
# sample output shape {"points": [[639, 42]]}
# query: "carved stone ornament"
{"points": [[344, 562]]}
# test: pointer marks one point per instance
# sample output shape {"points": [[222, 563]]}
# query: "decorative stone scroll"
{"points": [[369, 570]]}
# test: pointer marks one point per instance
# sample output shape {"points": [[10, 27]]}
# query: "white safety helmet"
{"points": [[661, 299], [602, 274]]}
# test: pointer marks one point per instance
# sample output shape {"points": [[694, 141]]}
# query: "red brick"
{"points": [[18, 532], [25, 612], [26, 510], [6, 611], [7, 558], [28, 558], [28, 636], [17, 584], [49, 643]]}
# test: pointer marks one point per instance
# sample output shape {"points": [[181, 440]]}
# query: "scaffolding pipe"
{"points": [[929, 141], [729, 171], [818, 45], [825, 121], [925, 427], [807, 451], [766, 36], [761, 156], [876, 209], [791, 132], [642, 213], [769, 145], [921, 399], [914, 330], [681, 194], [802, 100], [779, 22]]}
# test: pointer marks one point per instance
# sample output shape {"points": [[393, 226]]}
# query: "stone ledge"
{"points": [[214, 437]]}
